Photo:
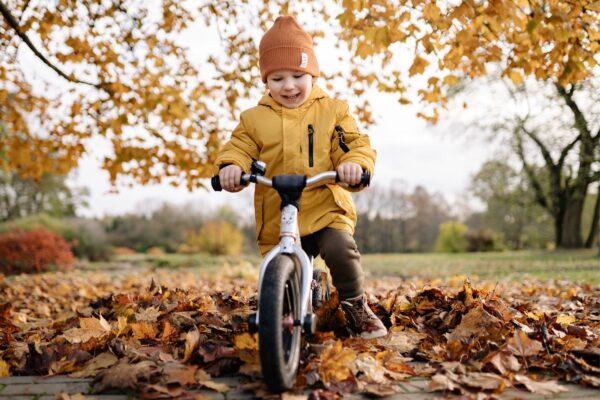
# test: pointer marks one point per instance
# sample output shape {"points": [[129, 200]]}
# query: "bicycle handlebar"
{"points": [[215, 182]]}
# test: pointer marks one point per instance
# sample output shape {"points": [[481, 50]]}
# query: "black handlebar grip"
{"points": [[365, 178], [215, 182]]}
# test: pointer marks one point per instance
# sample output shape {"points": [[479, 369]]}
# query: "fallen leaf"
{"points": [[91, 368], [520, 345], [124, 375], [543, 387], [403, 341], [4, 368], [89, 328], [442, 383], [191, 343]]}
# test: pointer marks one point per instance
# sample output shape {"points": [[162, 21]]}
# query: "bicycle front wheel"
{"points": [[278, 336]]}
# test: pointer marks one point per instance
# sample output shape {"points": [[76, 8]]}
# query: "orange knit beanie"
{"points": [[286, 46]]}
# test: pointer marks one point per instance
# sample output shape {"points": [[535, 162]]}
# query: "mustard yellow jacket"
{"points": [[315, 137]]}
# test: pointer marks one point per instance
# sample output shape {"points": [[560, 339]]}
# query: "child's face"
{"points": [[290, 88]]}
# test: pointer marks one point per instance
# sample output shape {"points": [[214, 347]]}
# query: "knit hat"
{"points": [[286, 46]]}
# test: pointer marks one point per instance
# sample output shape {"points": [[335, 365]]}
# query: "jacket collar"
{"points": [[315, 94]]}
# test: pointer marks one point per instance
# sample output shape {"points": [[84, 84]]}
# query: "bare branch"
{"points": [[543, 149], [12, 22], [566, 150], [540, 196], [580, 121]]}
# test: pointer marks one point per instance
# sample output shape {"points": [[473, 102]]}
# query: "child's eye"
{"points": [[298, 76], [276, 79]]}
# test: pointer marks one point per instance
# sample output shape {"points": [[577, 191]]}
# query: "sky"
{"points": [[409, 151]]}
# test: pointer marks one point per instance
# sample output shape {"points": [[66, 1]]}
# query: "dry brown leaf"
{"points": [[143, 330], [540, 387], [124, 375], [150, 314], [89, 328], [483, 381], [520, 345], [442, 383], [191, 343], [403, 341], [504, 362], [367, 365], [91, 368]]}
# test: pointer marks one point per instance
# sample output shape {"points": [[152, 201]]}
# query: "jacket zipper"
{"points": [[311, 133], [340, 132]]}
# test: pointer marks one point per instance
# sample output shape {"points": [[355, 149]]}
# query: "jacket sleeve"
{"points": [[240, 150], [349, 145]]}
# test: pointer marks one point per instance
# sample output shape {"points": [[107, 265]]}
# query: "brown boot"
{"points": [[362, 320]]}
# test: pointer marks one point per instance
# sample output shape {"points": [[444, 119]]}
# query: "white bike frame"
{"points": [[289, 244]]}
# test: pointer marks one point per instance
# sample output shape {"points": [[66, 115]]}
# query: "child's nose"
{"points": [[288, 84]]}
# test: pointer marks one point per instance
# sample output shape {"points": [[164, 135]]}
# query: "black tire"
{"points": [[279, 346]]}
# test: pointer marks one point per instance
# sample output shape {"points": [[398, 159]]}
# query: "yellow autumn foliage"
{"points": [[215, 237]]}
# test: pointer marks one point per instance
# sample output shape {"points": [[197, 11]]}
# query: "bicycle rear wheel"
{"points": [[278, 336]]}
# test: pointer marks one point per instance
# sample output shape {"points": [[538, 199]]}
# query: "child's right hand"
{"points": [[230, 177]]}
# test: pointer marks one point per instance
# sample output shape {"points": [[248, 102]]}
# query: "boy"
{"points": [[298, 129]]}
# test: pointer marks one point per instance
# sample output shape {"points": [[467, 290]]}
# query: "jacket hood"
{"points": [[315, 94]]}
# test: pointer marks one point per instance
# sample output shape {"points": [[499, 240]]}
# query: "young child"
{"points": [[298, 129]]}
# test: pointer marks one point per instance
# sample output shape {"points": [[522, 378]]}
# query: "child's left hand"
{"points": [[349, 173]]}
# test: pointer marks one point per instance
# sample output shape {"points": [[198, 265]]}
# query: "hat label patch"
{"points": [[304, 60]]}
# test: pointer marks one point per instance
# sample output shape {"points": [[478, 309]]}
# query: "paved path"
{"points": [[47, 388]]}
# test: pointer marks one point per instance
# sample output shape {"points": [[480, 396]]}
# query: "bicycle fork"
{"points": [[289, 244]]}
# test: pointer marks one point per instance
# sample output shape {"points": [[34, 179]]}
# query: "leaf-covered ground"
{"points": [[162, 333]]}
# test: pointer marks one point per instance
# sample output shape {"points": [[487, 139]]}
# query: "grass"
{"points": [[578, 265]]}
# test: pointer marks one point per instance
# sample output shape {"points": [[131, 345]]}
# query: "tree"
{"points": [[21, 197], [571, 167], [119, 74], [125, 78], [510, 206]]}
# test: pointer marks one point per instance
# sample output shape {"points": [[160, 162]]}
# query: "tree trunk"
{"points": [[571, 226], [595, 223]]}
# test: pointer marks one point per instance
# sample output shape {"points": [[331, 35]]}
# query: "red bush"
{"points": [[36, 250]]}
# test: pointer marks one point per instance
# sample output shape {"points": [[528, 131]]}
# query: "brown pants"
{"points": [[338, 249]]}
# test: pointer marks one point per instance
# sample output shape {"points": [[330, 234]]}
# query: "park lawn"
{"points": [[581, 266], [575, 265]]}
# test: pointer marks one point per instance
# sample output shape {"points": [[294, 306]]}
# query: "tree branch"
{"points": [[545, 152], [12, 22], [565, 152], [535, 183], [580, 121]]}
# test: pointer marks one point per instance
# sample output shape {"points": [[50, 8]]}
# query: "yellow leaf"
{"points": [[418, 66], [364, 50], [450, 80], [565, 319], [4, 369], [246, 341], [431, 12], [516, 77]]}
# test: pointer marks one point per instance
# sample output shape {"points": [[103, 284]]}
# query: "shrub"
{"points": [[36, 250], [88, 239], [215, 237], [155, 251], [452, 237], [482, 240], [123, 251], [85, 236]]}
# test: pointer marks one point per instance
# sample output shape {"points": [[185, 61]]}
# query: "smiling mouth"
{"points": [[292, 98]]}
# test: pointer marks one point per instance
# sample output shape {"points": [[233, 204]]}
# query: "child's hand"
{"points": [[230, 178], [349, 173]]}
